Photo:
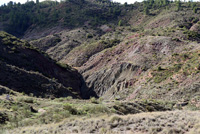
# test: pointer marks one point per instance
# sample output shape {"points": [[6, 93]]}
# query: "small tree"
{"points": [[37, 1], [189, 4], [178, 5], [146, 11], [125, 4], [195, 9], [120, 23], [193, 5], [55, 15]]}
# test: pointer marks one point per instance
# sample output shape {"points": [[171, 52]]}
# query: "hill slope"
{"points": [[25, 69], [143, 57], [126, 61]]}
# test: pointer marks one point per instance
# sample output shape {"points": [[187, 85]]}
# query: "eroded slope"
{"points": [[25, 69]]}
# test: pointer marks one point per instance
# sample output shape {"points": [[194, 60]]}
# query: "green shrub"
{"points": [[95, 109], [60, 99], [69, 98], [57, 117], [160, 68], [14, 107], [69, 108], [120, 23], [29, 100], [192, 34], [65, 114], [31, 94], [195, 9], [70, 88], [175, 39], [26, 111], [14, 119], [63, 65], [159, 77], [94, 100], [115, 118], [89, 35], [195, 20], [177, 67]]}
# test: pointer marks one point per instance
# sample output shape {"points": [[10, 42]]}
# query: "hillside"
{"points": [[122, 60], [141, 61], [51, 17], [25, 69]]}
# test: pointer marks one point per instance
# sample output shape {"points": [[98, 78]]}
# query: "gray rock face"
{"points": [[131, 62], [111, 80], [126, 70]]}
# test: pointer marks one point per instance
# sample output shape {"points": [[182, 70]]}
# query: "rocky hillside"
{"points": [[25, 69], [148, 57], [141, 62]]}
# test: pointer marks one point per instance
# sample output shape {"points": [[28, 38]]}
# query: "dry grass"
{"points": [[175, 122]]}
